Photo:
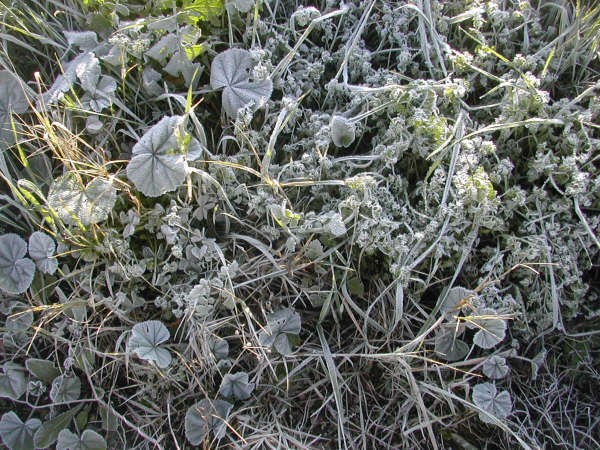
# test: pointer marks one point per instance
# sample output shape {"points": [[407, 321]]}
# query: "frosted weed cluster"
{"points": [[262, 224]]}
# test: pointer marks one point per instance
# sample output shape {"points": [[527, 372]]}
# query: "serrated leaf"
{"points": [[236, 386], [89, 440], [43, 369], [487, 397], [16, 271], [164, 48], [15, 434], [205, 417], [75, 203], [231, 71], [41, 250], [12, 382], [65, 388], [145, 341], [47, 433], [495, 367]]}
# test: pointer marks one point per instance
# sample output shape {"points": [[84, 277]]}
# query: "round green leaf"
{"points": [[343, 132], [145, 341], [41, 250], [15, 434], [236, 385], [65, 389], [89, 440], [204, 417], [16, 271], [231, 70], [487, 397], [495, 367]]}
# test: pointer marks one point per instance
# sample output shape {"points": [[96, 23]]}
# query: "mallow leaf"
{"points": [[85, 40], [219, 347], [204, 417], [450, 347], [12, 382], [487, 397], [492, 330], [75, 203], [43, 369], [279, 325], [64, 82], [453, 300], [65, 388], [16, 434], [41, 250], [231, 70], [236, 386], [16, 271], [159, 158], [145, 341], [89, 440], [495, 367], [343, 131], [12, 100]]}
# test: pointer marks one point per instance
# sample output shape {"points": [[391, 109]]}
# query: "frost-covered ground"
{"points": [[264, 224]]}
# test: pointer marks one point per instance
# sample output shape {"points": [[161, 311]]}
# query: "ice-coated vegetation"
{"points": [[271, 224]]}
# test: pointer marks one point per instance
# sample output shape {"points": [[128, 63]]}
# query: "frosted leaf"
{"points": [[279, 325], [219, 347], [16, 271], [89, 440], [93, 124], [180, 64], [487, 397], [495, 367], [164, 48], [236, 385], [242, 6], [231, 70], [145, 341], [336, 226], [12, 100], [64, 82], [159, 163], [491, 332], [204, 417], [15, 434], [65, 388], [150, 81], [12, 382], [455, 296], [41, 250], [85, 40], [17, 325], [76, 204], [343, 132], [449, 347]]}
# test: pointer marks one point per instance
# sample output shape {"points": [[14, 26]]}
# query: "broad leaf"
{"points": [[12, 100], [47, 433], [85, 40], [16, 271], [495, 367], [15, 434], [64, 82], [12, 382], [279, 325], [17, 325], [491, 332], [43, 369], [89, 440], [236, 386], [231, 70], [145, 341], [65, 389], [204, 417], [219, 347], [487, 397], [159, 158], [343, 132], [454, 299], [41, 250], [76, 204], [449, 347]]}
